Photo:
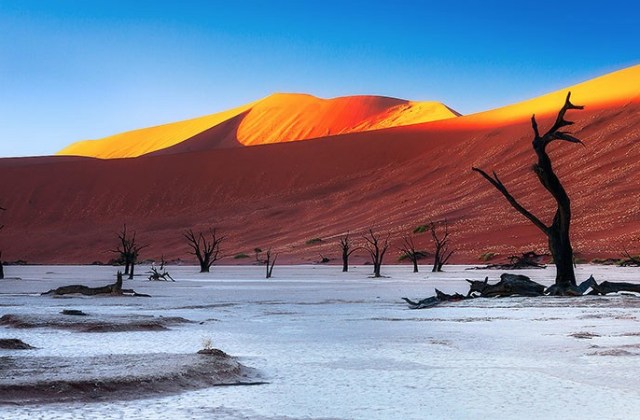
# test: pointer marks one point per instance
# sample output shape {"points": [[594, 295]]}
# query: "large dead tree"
{"points": [[128, 250], [441, 241], [411, 252], [558, 232], [205, 248], [347, 249], [376, 247]]}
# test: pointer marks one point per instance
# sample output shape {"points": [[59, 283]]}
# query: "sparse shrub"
{"points": [[240, 256], [207, 343], [422, 228], [314, 241], [487, 256]]}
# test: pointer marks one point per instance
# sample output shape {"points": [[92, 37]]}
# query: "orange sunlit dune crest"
{"points": [[622, 85], [276, 118], [146, 140], [286, 117]]}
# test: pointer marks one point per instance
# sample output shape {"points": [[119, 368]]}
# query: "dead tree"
{"points": [[114, 289], [128, 250], [509, 285], [160, 273], [628, 260], [526, 260], [270, 262], [205, 248], [441, 242], [410, 251], [558, 232], [347, 250], [376, 247]]}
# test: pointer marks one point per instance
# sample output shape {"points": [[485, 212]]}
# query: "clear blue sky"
{"points": [[73, 70]]}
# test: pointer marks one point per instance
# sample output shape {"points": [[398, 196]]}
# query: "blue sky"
{"points": [[74, 70]]}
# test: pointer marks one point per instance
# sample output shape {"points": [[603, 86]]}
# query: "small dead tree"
{"points": [[128, 250], [627, 261], [347, 250], [160, 273], [441, 241], [270, 262], [376, 247], [205, 248], [409, 250], [114, 289], [558, 232]]}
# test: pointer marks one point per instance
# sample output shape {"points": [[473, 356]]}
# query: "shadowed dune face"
{"points": [[62, 209], [274, 119]]}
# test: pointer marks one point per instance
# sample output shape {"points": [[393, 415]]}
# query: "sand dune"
{"points": [[62, 209], [274, 119]]}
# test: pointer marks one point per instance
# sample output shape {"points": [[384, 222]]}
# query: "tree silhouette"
{"points": [[347, 250], [205, 248], [441, 241], [410, 251], [558, 232], [376, 247]]}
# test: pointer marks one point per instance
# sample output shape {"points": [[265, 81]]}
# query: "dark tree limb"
{"points": [[509, 285], [434, 300], [607, 287], [495, 181], [114, 289]]}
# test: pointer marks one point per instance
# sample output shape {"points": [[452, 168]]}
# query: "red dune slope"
{"points": [[275, 119], [62, 209]]}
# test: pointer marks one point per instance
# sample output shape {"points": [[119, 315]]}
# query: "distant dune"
{"points": [[65, 209], [275, 119]]}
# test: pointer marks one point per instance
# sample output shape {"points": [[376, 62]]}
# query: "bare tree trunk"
{"points": [[415, 265], [204, 265], [562, 253], [133, 264], [126, 266], [376, 270], [345, 246], [1, 267]]}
